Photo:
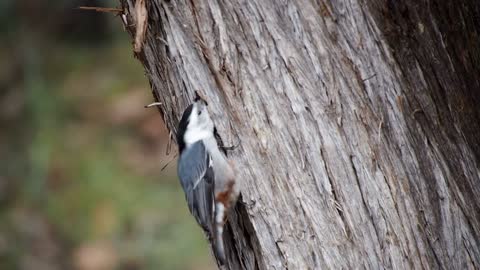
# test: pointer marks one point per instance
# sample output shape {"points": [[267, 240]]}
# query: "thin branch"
{"points": [[102, 9]]}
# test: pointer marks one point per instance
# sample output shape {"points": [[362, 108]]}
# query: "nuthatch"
{"points": [[206, 175]]}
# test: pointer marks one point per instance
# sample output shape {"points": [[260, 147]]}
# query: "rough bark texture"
{"points": [[358, 122]]}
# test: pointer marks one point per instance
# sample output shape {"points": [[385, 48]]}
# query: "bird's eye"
{"points": [[200, 112]]}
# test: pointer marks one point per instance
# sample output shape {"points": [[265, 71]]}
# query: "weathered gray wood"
{"points": [[358, 122]]}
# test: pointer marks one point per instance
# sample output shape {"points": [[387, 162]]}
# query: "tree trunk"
{"points": [[358, 123]]}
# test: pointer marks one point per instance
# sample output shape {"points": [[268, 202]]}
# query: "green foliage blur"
{"points": [[81, 179]]}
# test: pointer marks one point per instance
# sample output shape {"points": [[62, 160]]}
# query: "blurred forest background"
{"points": [[81, 179]]}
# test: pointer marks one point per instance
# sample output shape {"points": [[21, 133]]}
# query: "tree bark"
{"points": [[358, 122]]}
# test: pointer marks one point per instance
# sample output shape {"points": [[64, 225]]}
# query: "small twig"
{"points": [[368, 78], [102, 9], [169, 144], [168, 163], [153, 104]]}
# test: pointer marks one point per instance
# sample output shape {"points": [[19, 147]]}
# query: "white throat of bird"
{"points": [[200, 126]]}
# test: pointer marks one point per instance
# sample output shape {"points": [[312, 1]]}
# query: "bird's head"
{"points": [[195, 124]]}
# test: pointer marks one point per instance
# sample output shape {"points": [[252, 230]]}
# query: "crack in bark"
{"points": [[367, 209], [337, 205]]}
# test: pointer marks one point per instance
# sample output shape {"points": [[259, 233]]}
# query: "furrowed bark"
{"points": [[358, 123]]}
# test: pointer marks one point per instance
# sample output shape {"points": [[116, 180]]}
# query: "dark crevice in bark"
{"points": [[367, 209], [240, 240], [333, 190], [431, 243]]}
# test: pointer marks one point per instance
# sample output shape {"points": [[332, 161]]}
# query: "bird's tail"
{"points": [[219, 222]]}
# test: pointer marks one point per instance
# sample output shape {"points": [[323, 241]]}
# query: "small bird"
{"points": [[206, 176]]}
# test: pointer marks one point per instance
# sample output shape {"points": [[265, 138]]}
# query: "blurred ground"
{"points": [[81, 185]]}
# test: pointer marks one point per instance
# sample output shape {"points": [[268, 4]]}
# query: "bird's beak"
{"points": [[200, 97]]}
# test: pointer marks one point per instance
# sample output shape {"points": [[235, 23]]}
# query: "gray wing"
{"points": [[197, 179]]}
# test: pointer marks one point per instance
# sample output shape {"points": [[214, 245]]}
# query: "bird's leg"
{"points": [[222, 146], [229, 147]]}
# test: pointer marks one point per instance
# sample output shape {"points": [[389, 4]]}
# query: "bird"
{"points": [[206, 175]]}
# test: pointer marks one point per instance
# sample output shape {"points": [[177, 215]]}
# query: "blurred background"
{"points": [[81, 179]]}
